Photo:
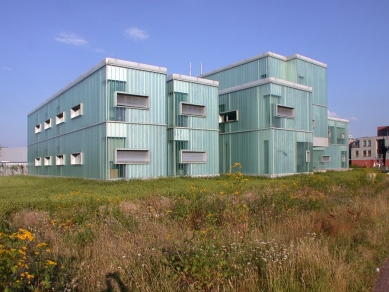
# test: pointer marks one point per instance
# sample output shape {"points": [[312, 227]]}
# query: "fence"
{"points": [[7, 169]]}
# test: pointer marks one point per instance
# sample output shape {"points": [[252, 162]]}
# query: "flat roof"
{"points": [[106, 61], [192, 79], [338, 120], [267, 54]]}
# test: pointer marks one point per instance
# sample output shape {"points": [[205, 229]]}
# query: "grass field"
{"points": [[322, 232]]}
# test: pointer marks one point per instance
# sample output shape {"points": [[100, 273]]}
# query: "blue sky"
{"points": [[45, 45]]}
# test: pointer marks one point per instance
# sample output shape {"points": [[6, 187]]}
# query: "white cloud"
{"points": [[333, 114], [71, 39], [136, 34]]}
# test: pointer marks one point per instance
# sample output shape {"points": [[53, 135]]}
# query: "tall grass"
{"points": [[321, 232]]}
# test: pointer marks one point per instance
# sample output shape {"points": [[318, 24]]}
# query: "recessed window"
{"points": [[368, 143], [226, 117], [343, 135], [356, 153], [343, 158], [76, 111], [187, 156], [60, 159], [364, 153], [313, 124], [329, 133], [307, 156], [47, 124], [38, 128], [326, 158], [131, 100], [188, 109], [285, 112], [47, 161], [38, 161], [76, 158], [132, 156], [364, 143], [263, 76], [60, 118]]}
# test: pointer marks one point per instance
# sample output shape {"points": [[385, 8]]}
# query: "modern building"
{"points": [[273, 117], [129, 120], [371, 151], [111, 122]]}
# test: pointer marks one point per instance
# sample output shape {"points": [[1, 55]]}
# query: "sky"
{"points": [[46, 44]]}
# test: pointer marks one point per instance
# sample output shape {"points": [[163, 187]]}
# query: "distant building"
{"points": [[365, 152], [13, 155]]}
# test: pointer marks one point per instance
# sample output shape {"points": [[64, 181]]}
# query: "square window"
{"points": [[326, 158], [60, 159], [226, 117], [123, 99], [187, 109], [132, 156], [60, 118], [76, 158], [187, 156], [47, 124], [76, 111], [285, 112], [38, 129], [47, 161], [38, 161]]}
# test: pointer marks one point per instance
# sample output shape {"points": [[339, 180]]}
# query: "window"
{"points": [[76, 158], [47, 124], [356, 153], [343, 135], [228, 117], [368, 143], [368, 153], [343, 158], [60, 159], [364, 153], [60, 118], [313, 124], [38, 161], [131, 156], [47, 161], [364, 143], [307, 156], [187, 109], [131, 100], [326, 158], [285, 112], [38, 129], [76, 111], [263, 76], [329, 133], [187, 156]]}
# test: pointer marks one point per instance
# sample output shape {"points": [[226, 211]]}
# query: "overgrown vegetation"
{"points": [[321, 232]]}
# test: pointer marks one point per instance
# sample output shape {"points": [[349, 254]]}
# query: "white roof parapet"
{"points": [[339, 120], [106, 61], [267, 54], [264, 81], [135, 65], [193, 79]]}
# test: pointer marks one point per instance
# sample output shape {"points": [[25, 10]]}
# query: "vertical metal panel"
{"points": [[192, 132]]}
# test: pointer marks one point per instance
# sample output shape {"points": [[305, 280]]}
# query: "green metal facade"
{"points": [[262, 140], [129, 120], [198, 133], [100, 127]]}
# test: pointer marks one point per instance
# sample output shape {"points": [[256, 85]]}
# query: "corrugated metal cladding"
{"points": [[277, 121], [198, 132]]}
